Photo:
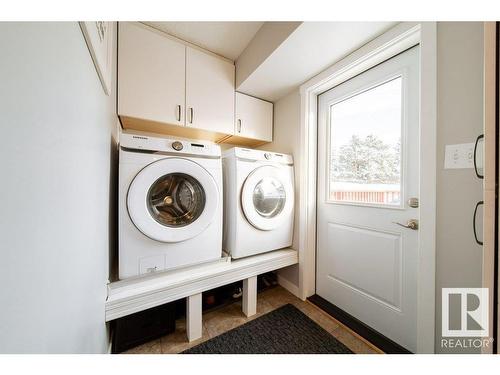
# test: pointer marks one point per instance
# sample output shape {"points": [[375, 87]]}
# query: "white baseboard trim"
{"points": [[288, 285]]}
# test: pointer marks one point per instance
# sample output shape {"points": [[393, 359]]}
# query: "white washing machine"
{"points": [[170, 204], [258, 201]]}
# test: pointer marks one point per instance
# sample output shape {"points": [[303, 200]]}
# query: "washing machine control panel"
{"points": [[201, 148], [143, 142]]}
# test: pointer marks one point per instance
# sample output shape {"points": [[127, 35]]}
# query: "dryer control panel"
{"points": [[259, 155], [180, 146]]}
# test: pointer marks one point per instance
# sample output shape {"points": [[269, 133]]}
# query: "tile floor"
{"points": [[230, 316]]}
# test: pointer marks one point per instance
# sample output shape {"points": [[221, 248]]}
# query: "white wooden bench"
{"points": [[130, 296]]}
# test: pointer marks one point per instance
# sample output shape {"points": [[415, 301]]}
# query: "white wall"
{"points": [[57, 186], [460, 120], [287, 140]]}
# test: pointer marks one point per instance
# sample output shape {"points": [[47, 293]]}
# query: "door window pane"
{"points": [[176, 200], [365, 146]]}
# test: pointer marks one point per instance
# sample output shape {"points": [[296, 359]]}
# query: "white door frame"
{"points": [[394, 41]]}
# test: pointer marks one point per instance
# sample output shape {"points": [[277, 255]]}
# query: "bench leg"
{"points": [[250, 296], [193, 317]]}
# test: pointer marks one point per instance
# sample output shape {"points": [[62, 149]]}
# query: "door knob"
{"points": [[410, 224]]}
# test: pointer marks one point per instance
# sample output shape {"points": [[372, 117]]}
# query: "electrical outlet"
{"points": [[459, 156]]}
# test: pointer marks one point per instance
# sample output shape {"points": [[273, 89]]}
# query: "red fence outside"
{"points": [[382, 197]]}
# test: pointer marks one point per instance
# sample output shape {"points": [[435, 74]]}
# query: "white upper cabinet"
{"points": [[151, 75], [254, 118], [209, 92], [169, 87]]}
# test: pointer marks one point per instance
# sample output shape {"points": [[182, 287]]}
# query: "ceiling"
{"points": [[310, 49], [227, 39]]}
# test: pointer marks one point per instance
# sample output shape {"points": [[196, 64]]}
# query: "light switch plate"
{"points": [[459, 156]]}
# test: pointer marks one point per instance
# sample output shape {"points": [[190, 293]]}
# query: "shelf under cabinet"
{"points": [[131, 123]]}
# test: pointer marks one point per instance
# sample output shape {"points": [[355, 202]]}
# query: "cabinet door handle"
{"points": [[474, 223], [191, 115], [475, 157], [239, 125], [179, 112]]}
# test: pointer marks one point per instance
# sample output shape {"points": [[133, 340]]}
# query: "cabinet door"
{"points": [[151, 74], [254, 118], [209, 92]]}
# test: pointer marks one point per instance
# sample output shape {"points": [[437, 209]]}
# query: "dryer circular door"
{"points": [[172, 200], [267, 197]]}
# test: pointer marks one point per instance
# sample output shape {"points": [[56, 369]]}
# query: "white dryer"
{"points": [[258, 201], [170, 204]]}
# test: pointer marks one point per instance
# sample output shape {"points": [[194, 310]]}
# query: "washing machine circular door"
{"points": [[267, 197], [172, 200]]}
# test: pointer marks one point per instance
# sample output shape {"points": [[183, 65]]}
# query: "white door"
{"points": [[209, 92], [368, 182], [254, 118], [151, 75]]}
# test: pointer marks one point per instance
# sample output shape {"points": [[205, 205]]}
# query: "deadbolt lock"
{"points": [[413, 202]]}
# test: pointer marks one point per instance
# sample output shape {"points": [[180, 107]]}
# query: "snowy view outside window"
{"points": [[365, 146]]}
